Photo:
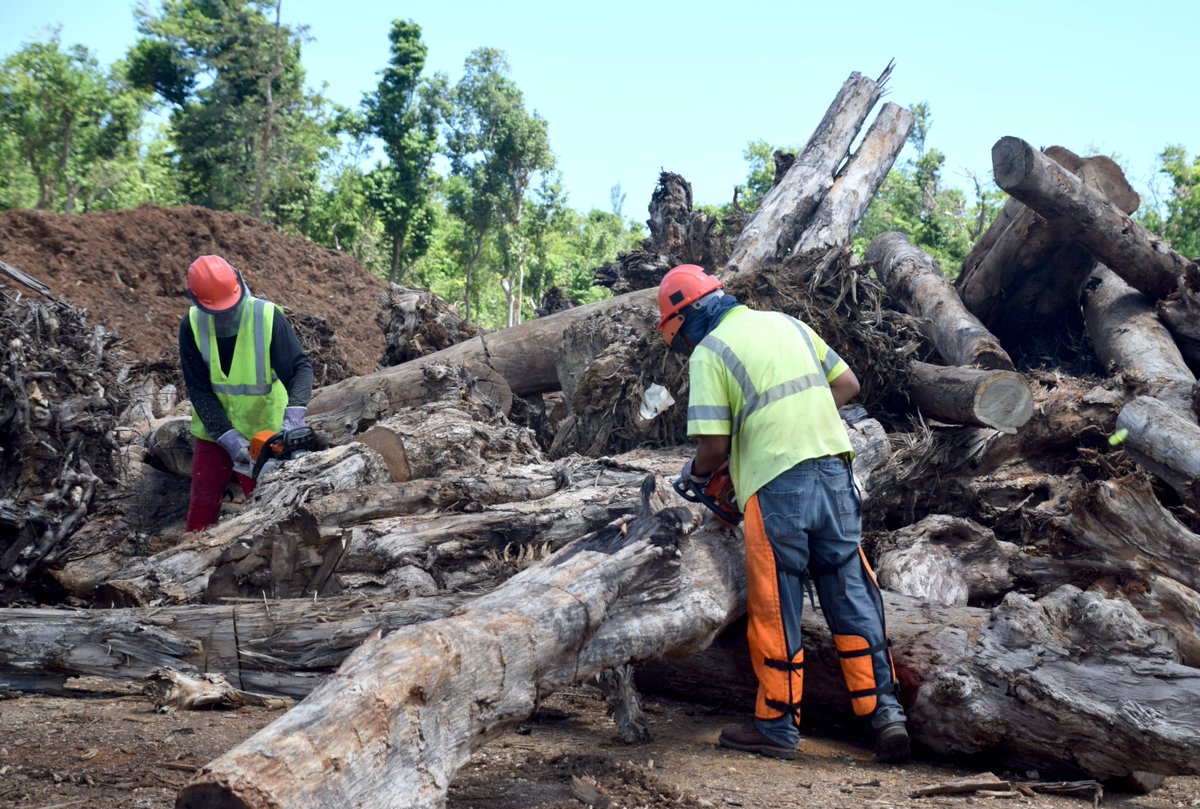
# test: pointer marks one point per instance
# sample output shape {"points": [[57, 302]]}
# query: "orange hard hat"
{"points": [[681, 287], [213, 284]]}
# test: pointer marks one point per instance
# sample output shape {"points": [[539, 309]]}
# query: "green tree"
{"points": [[248, 137], [499, 150], [70, 122], [405, 112], [1178, 219], [761, 157]]}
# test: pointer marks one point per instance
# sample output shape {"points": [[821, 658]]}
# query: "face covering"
{"points": [[702, 317], [227, 323]]}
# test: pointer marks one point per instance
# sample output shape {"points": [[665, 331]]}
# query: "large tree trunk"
{"points": [[1129, 338], [917, 282], [272, 647], [844, 205], [785, 211], [1165, 441], [521, 357], [422, 698], [1022, 276], [1129, 250], [997, 399]]}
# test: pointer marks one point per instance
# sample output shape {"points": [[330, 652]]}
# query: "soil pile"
{"points": [[129, 269]]}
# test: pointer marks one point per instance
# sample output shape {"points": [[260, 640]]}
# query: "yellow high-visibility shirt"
{"points": [[762, 378]]}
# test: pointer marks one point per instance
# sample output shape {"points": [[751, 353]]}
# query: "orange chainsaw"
{"points": [[717, 495], [272, 447]]}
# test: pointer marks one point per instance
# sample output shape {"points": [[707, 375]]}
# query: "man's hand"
{"points": [[293, 417], [238, 448], [688, 474]]}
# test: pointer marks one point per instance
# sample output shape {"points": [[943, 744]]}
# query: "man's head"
{"points": [[680, 288], [219, 290], [213, 285]]}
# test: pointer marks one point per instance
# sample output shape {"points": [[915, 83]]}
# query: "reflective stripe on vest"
{"points": [[755, 401]]}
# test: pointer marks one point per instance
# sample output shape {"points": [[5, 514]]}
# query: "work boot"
{"points": [[891, 744], [749, 738]]}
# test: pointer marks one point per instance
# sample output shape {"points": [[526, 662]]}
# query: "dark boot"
{"points": [[749, 738], [891, 743]]}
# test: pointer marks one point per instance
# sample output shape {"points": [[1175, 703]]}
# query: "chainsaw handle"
{"points": [[684, 488]]}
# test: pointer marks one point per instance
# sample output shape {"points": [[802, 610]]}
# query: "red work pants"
{"points": [[211, 468]]}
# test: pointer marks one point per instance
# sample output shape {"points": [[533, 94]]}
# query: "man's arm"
{"points": [[290, 362], [712, 451], [844, 387]]}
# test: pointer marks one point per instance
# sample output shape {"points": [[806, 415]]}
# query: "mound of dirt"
{"points": [[129, 269]]}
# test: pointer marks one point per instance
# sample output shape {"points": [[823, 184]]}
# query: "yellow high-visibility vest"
{"points": [[251, 394]]}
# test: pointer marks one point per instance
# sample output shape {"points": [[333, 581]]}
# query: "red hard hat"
{"points": [[681, 287], [214, 285]]}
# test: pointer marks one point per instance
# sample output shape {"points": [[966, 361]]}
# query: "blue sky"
{"points": [[631, 88]]}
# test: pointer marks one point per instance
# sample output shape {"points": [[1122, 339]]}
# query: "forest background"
{"points": [[450, 185]]}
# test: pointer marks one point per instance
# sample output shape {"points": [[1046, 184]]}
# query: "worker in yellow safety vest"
{"points": [[764, 394], [245, 372]]}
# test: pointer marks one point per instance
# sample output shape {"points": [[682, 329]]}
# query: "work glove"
{"points": [[293, 417], [700, 480], [238, 447]]}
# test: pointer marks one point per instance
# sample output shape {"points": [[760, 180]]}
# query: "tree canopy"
{"points": [[450, 186]]}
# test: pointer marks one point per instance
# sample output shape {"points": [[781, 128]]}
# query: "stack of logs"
{"points": [[1042, 581]]}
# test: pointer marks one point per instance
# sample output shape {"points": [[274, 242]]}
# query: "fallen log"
{"points": [[916, 281], [1127, 248], [520, 357], [422, 698], [181, 573], [1022, 277], [847, 200], [1166, 442], [784, 212], [945, 560], [1130, 339], [1120, 527], [279, 647], [997, 399]]}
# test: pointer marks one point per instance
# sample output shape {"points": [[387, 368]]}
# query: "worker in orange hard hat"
{"points": [[245, 372], [764, 393]]}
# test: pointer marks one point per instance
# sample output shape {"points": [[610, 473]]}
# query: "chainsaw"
{"points": [[717, 495], [270, 447]]}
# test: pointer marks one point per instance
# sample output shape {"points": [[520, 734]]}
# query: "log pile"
{"points": [[60, 393], [1034, 522]]}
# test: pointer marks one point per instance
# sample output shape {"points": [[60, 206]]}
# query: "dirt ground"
{"points": [[102, 749], [129, 270]]}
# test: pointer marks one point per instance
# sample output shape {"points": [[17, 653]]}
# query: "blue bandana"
{"points": [[703, 316]]}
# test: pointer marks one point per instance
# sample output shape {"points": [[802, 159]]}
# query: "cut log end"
{"points": [[1004, 402], [1012, 160]]}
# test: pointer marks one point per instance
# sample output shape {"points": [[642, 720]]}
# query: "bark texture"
{"points": [[917, 282]]}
